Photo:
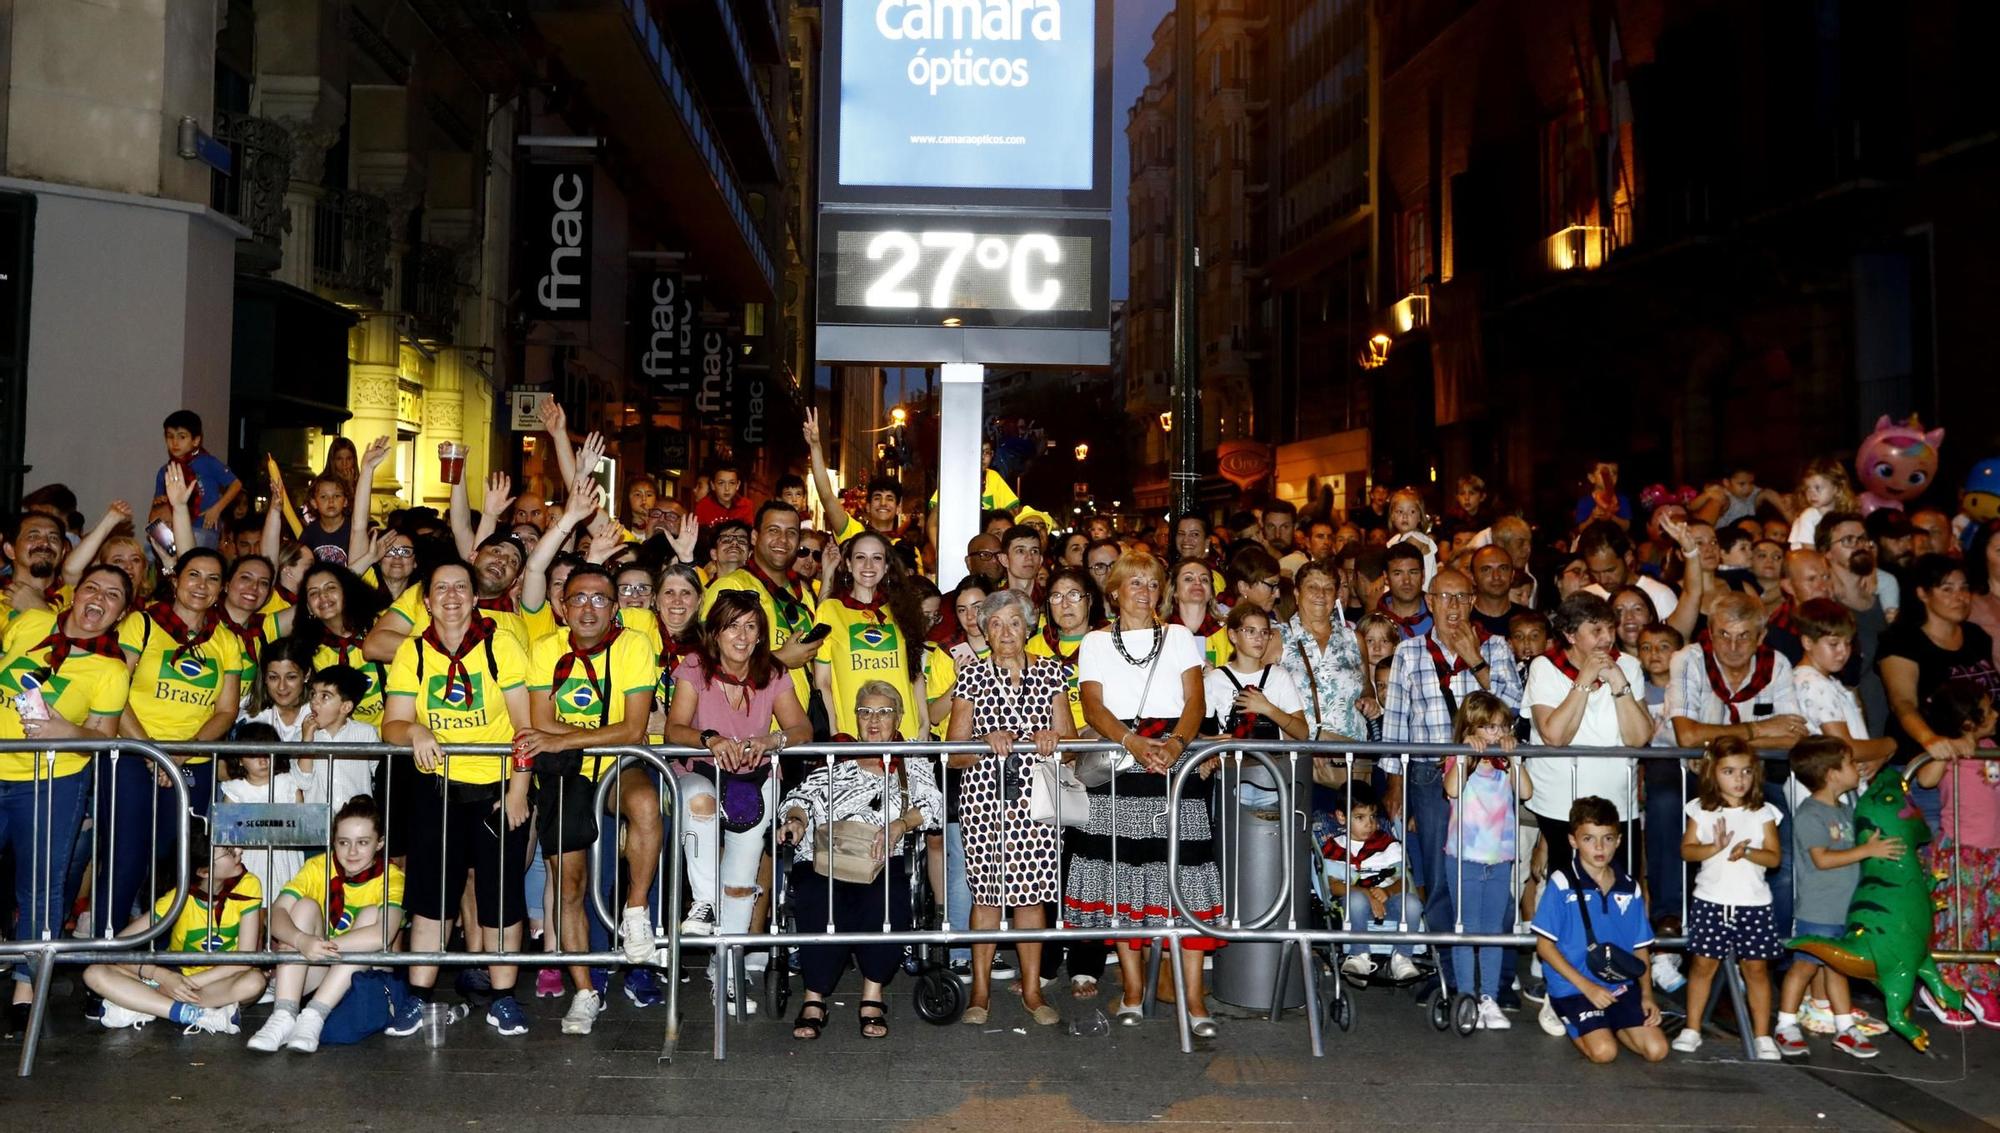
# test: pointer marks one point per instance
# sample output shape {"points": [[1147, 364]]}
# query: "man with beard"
{"points": [[36, 549], [788, 605], [494, 571], [1895, 549], [1857, 581], [982, 561]]}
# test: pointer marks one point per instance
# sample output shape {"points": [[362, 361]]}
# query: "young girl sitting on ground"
{"points": [[1479, 845], [348, 901], [225, 907], [1733, 833]]}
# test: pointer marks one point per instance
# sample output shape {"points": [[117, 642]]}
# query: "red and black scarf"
{"points": [[1445, 672], [456, 675], [788, 596], [185, 640], [186, 465], [1760, 679], [504, 604], [873, 607], [1053, 640], [252, 635], [342, 645], [1559, 657], [1208, 627], [60, 645], [1409, 627], [1781, 618], [336, 889], [578, 655]]}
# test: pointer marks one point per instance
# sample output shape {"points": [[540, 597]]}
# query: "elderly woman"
{"points": [[1322, 656], [899, 797], [1010, 859], [1141, 683]]}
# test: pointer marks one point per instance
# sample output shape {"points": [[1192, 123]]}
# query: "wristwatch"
{"points": [[709, 735], [1481, 667]]}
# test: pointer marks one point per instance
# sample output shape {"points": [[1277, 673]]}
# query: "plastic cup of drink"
{"points": [[451, 461], [437, 1017]]}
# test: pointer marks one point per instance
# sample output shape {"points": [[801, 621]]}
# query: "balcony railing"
{"points": [[351, 243], [431, 290], [1580, 247], [253, 193]]}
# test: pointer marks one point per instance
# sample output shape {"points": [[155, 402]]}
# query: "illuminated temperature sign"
{"points": [[957, 271]]}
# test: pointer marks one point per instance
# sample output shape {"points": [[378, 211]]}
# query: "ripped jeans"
{"points": [[740, 852]]}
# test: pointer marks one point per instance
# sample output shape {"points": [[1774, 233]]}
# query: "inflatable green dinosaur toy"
{"points": [[1888, 937]]}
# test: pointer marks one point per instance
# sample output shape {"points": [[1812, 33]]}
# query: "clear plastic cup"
{"points": [[437, 1017], [1088, 1023], [451, 461]]}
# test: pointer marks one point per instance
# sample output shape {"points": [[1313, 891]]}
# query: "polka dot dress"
{"points": [[1748, 930], [1010, 859]]}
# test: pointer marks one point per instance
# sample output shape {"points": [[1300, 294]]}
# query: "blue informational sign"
{"points": [[997, 95]]}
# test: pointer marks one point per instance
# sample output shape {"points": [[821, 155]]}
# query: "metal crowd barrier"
{"points": [[1281, 759]]}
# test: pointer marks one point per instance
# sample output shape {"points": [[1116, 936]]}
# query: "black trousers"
{"points": [[856, 908]]}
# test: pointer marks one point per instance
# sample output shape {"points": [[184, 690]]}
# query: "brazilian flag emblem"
{"points": [[870, 638], [25, 674], [579, 697], [192, 670], [447, 695]]}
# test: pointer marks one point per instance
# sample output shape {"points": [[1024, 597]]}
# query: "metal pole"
{"points": [[1187, 337]]}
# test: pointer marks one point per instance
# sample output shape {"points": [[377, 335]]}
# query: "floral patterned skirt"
{"points": [[1977, 893]]}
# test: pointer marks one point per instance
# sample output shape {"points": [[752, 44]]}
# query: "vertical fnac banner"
{"points": [[556, 222], [714, 391], [750, 383], [664, 331]]}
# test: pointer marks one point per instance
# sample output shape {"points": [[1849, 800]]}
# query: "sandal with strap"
{"points": [[814, 1025], [879, 1019]]}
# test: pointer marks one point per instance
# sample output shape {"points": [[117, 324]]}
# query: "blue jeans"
{"points": [[1486, 896], [1666, 873], [135, 828], [1429, 814], [957, 890], [39, 821], [1401, 909]]}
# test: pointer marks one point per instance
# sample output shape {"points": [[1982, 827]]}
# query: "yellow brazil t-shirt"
{"points": [[58, 604], [940, 677], [1038, 646], [793, 616], [314, 877], [174, 696], [629, 665], [192, 931], [276, 604], [863, 646], [509, 623], [369, 711], [88, 685], [473, 711], [994, 494]]}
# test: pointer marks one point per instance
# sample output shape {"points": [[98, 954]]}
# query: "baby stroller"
{"points": [[1337, 985]]}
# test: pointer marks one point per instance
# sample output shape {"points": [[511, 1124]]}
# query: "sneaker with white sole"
{"points": [[273, 1033], [1491, 1018], [1791, 1041], [1767, 1049], [1003, 969], [1960, 1019], [583, 1012], [1402, 968], [504, 1015], [635, 935], [1688, 1041], [548, 984], [305, 1037], [116, 1018], [1667, 972], [700, 920], [1360, 965], [213, 1021], [1852, 1042], [1551, 1022]]}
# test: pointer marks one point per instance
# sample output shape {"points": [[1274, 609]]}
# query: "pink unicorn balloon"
{"points": [[1896, 463]]}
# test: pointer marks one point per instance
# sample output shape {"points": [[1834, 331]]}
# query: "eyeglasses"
{"points": [[733, 541], [1854, 541], [872, 710], [635, 590], [1451, 597], [805, 552], [1068, 597], [982, 554], [400, 553], [1273, 583], [594, 601]]}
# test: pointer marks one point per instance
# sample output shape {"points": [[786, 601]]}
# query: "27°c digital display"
{"points": [[906, 269]]}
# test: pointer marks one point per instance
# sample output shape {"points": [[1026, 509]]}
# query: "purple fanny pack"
{"points": [[740, 795]]}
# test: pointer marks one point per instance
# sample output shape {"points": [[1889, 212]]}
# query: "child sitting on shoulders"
{"points": [[1364, 869]]}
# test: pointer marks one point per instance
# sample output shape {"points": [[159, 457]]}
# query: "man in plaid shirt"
{"points": [[1428, 677]]}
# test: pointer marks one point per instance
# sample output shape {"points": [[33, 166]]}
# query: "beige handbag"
{"points": [[851, 857]]}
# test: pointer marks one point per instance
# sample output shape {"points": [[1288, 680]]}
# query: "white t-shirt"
{"points": [[1276, 683], [272, 867], [1720, 880], [1665, 601], [1561, 781], [1121, 683], [287, 733], [1805, 528], [334, 781]]}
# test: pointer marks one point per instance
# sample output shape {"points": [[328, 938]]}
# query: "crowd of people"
{"points": [[1803, 646]]}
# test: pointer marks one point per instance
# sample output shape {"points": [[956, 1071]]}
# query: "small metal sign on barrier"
{"points": [[279, 825]]}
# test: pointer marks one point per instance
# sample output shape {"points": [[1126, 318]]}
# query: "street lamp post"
{"points": [[1187, 344]]}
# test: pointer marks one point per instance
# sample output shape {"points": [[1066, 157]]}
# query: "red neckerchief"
{"points": [[721, 677], [60, 645], [252, 636], [1054, 641], [336, 889], [52, 594], [1781, 618], [504, 604], [456, 675], [567, 663], [219, 901], [1760, 679], [1560, 659], [341, 645], [185, 639], [673, 650], [872, 608], [790, 591], [1202, 632], [1458, 664], [1408, 625], [193, 482]]}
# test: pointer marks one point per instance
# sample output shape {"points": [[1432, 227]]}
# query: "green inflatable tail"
{"points": [[1834, 955]]}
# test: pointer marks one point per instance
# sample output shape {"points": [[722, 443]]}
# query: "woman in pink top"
{"points": [[733, 700], [1966, 852]]}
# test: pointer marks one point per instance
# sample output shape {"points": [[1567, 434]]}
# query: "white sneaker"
{"points": [[1767, 1050], [1360, 965], [116, 1018], [749, 1004], [635, 934], [583, 1012], [700, 920], [273, 1033], [1402, 968], [1689, 1041], [213, 1021], [1667, 972], [1551, 1022], [755, 964], [1491, 1018], [305, 1037]]}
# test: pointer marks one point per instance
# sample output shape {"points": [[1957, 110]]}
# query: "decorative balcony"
{"points": [[351, 244], [432, 291], [253, 193]]}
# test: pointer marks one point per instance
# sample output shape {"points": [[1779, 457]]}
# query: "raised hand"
{"points": [[582, 501], [499, 496], [378, 451], [178, 488], [811, 429], [592, 453], [682, 533], [554, 419]]}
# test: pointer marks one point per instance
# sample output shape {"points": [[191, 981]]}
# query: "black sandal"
{"points": [[804, 1024], [879, 1019]]}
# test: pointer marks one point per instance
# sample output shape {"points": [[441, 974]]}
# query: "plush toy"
{"points": [[1888, 937], [1896, 463]]}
